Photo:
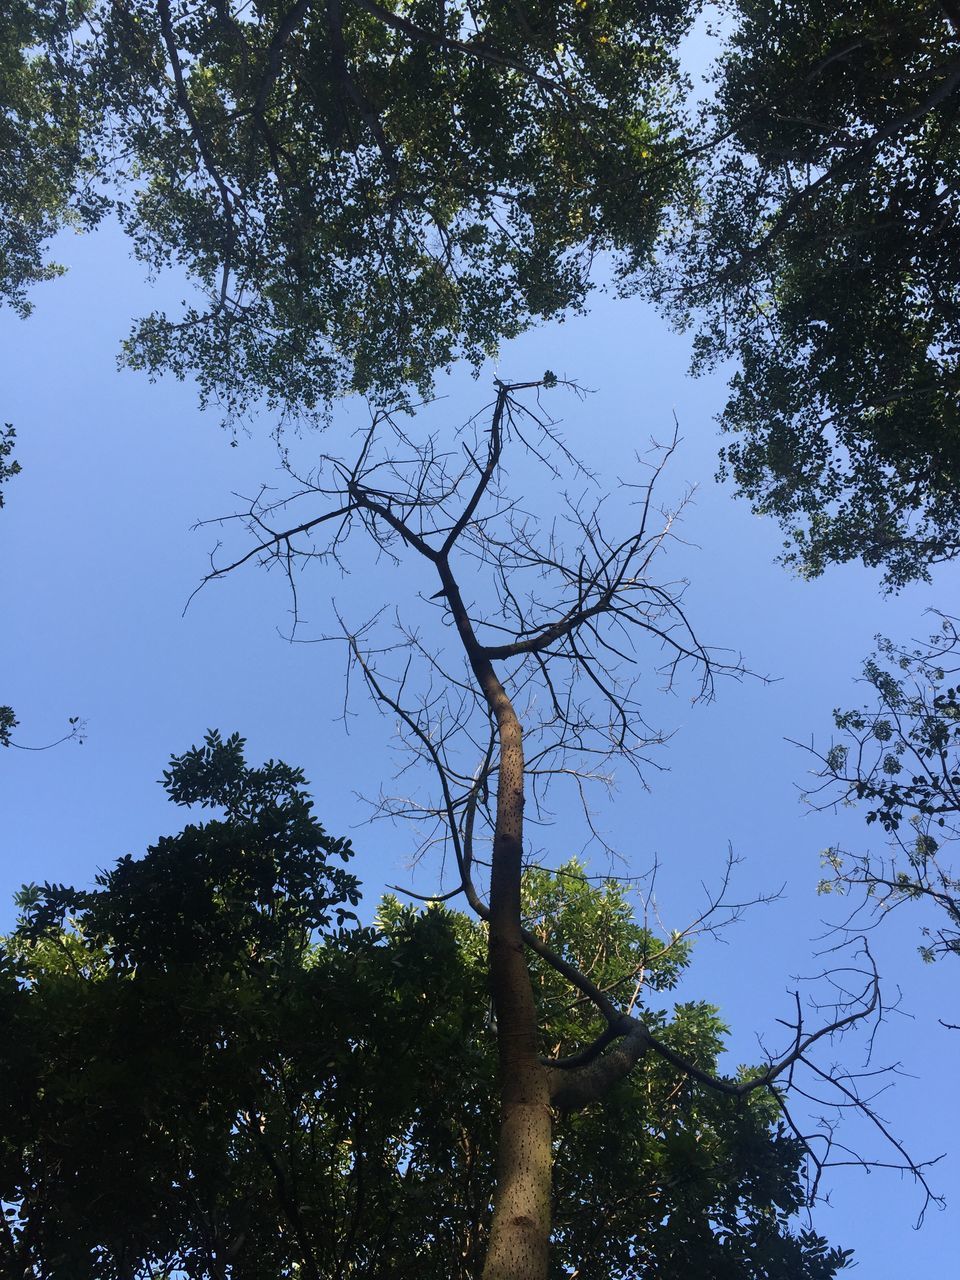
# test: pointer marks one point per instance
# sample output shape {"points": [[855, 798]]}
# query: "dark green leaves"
{"points": [[8, 465], [363, 193], [827, 256], [178, 1097], [249, 889], [900, 757]]}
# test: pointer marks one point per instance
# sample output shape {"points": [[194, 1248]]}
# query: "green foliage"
{"points": [[360, 192], [44, 170], [901, 757], [827, 257], [189, 1091], [8, 722], [252, 886], [8, 465]]}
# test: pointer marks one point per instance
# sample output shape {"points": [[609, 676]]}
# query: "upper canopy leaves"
{"points": [[827, 253], [361, 192], [44, 167]]}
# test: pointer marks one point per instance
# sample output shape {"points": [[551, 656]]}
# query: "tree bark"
{"points": [[520, 1231]]}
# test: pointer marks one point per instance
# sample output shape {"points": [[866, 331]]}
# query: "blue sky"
{"points": [[99, 559]]}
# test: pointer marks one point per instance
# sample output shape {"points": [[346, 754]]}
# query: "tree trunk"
{"points": [[520, 1231]]}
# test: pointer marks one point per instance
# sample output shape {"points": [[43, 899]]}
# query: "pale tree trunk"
{"points": [[519, 1246], [520, 1231]]}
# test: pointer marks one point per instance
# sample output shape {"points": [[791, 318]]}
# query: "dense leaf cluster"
{"points": [[47, 171], [257, 883], [827, 255], [189, 1093], [360, 192]]}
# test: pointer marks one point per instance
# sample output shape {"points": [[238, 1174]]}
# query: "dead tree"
{"points": [[530, 679]]}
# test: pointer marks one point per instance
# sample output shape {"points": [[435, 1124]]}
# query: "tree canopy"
{"points": [[43, 163], [205, 1075], [900, 757], [360, 192], [826, 256]]}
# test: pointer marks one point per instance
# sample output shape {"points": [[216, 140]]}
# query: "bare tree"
{"points": [[530, 678]]}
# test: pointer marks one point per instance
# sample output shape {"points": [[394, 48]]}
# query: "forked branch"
{"points": [[532, 672]]}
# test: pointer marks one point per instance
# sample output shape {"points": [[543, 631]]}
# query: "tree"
{"points": [[155, 1007], [199, 1081], [826, 257], [901, 757], [45, 171], [218, 118], [529, 681], [360, 192], [342, 238]]}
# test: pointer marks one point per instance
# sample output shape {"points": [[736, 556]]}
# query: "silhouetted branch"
{"points": [[539, 635]]}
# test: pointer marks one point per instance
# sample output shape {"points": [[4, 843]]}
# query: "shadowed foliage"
{"points": [[826, 255], [206, 1077], [361, 193]]}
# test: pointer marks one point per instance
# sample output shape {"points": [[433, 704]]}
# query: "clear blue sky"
{"points": [[98, 561]]}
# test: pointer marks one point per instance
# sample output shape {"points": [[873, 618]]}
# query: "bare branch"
{"points": [[530, 678]]}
